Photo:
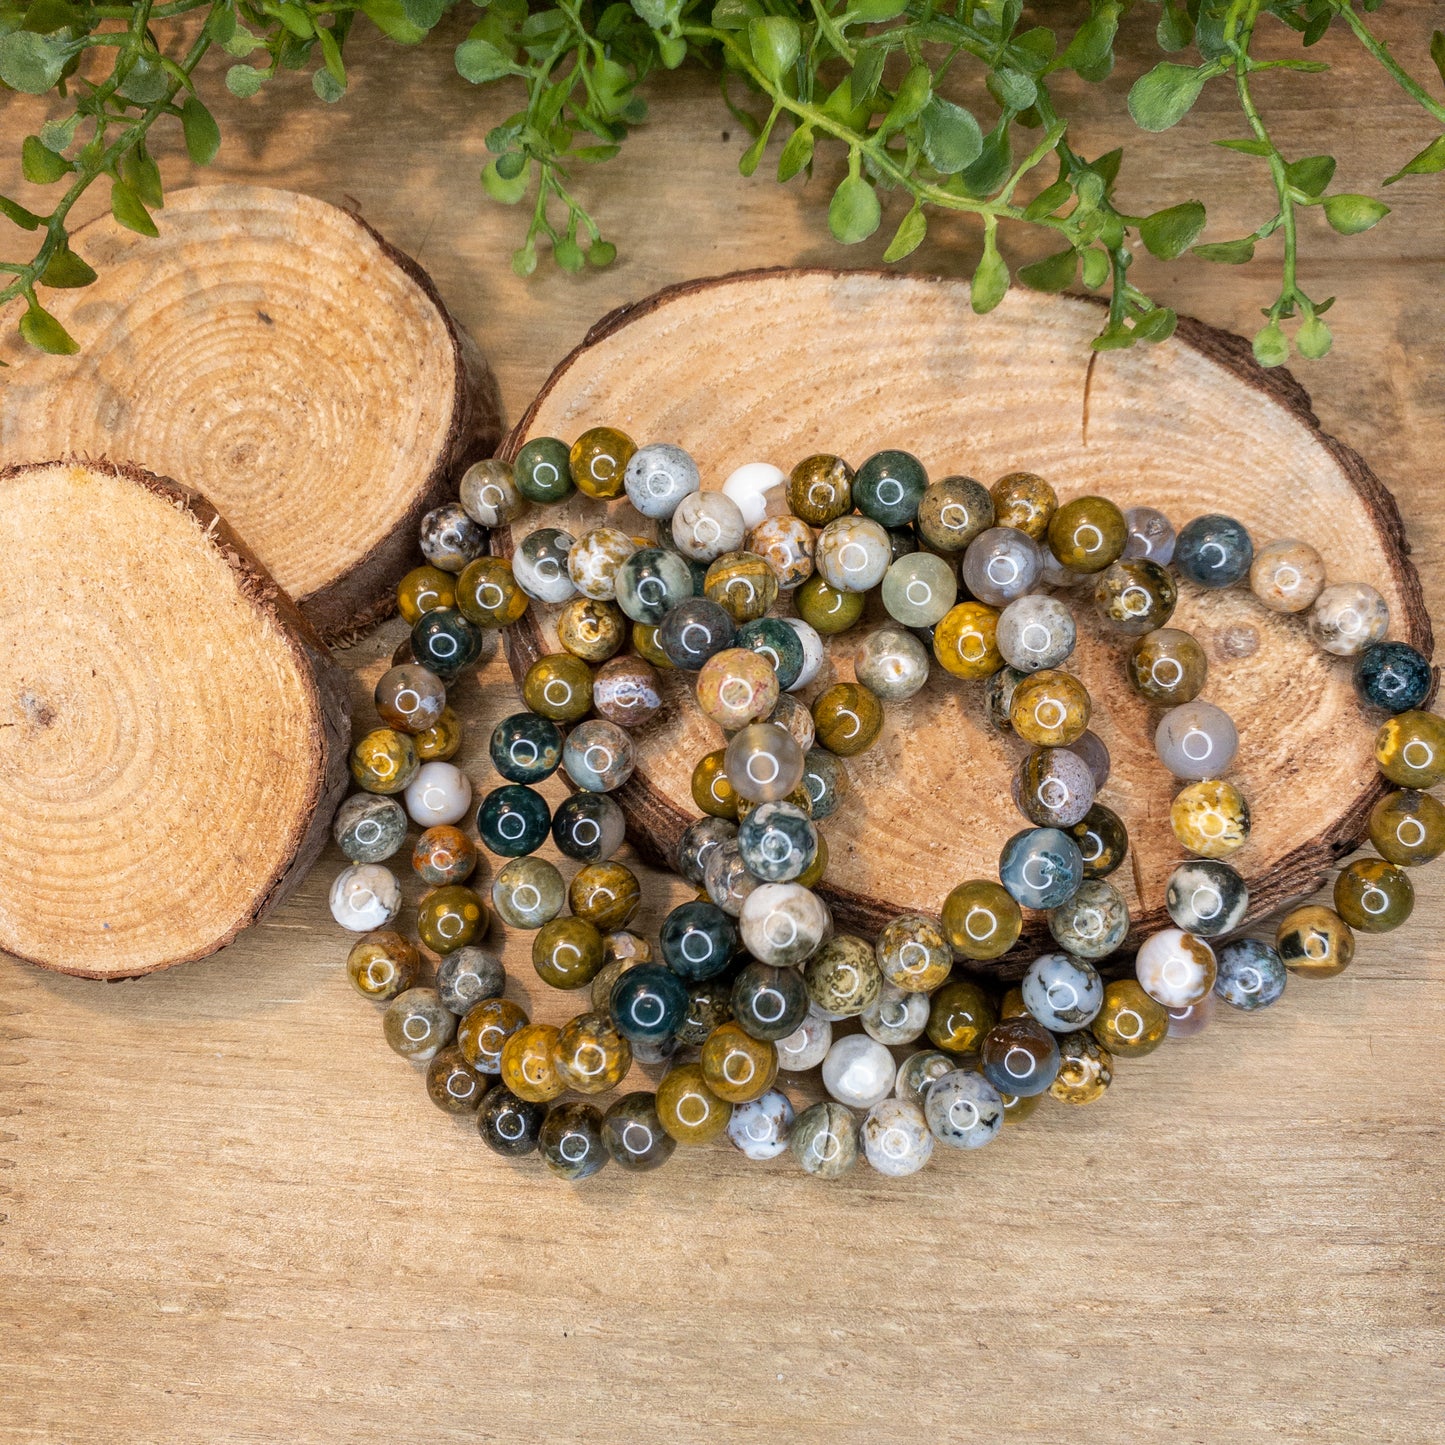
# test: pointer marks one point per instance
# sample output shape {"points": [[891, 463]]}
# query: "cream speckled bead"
{"points": [[814, 653], [1175, 968], [540, 564], [658, 477], [807, 1046], [782, 923], [853, 553], [786, 544], [707, 524], [365, 896], [1349, 617], [759, 1129], [896, 1016], [751, 487], [859, 1071], [488, 494], [892, 662], [439, 793], [593, 562], [895, 1137], [1034, 632], [1287, 575]]}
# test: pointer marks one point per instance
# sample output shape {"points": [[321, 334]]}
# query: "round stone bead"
{"points": [[688, 1109], [598, 461], [769, 1003], [826, 779], [633, 1135], [1092, 924], [1000, 565], [450, 539], [528, 892], [648, 1003], [411, 699], [1373, 896], [1214, 551], [1088, 533], [599, 756], [543, 470], [1196, 740], [468, 975], [558, 686], [488, 593], [452, 1084], [488, 493], [820, 489], [787, 545], [783, 923], [753, 486], [526, 748], [1135, 598], [382, 965], [1175, 968], [1393, 676], [592, 630], [1085, 1070], [1287, 575], [605, 894], [417, 1026], [1090, 747], [1314, 941], [695, 631], [843, 976], [913, 952], [447, 643], [1035, 632], [760, 1128], [895, 1138], [1167, 667], [848, 718], [529, 1064], [891, 663], [965, 641], [742, 584], [588, 827], [858, 1071], [571, 1140], [1410, 749], [959, 1016], [707, 1006], [814, 653], [1024, 501], [591, 1055], [369, 828], [567, 953], [596, 560], [736, 687], [1347, 618], [889, 486], [763, 763], [918, 1073], [777, 842], [444, 855], [807, 1046], [365, 896], [896, 1016], [998, 695], [1408, 828], [697, 844], [1210, 818], [698, 941], [509, 1126], [1129, 1023], [1102, 840], [737, 1067], [824, 1140], [981, 920], [963, 1110], [1041, 867], [627, 691], [1250, 974], [1050, 708], [439, 793], [540, 565], [826, 609], [657, 477], [1061, 992], [1206, 898], [442, 741], [1151, 536], [771, 638], [384, 761], [513, 820], [650, 583], [918, 589], [1019, 1057], [1054, 787], [852, 554], [424, 589], [712, 791], [706, 525], [623, 950], [952, 512]]}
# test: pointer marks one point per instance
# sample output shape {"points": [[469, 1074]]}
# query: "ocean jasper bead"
{"points": [[1175, 968], [981, 920], [783, 923], [598, 462], [826, 779], [467, 976], [1287, 575], [509, 1126], [369, 828], [442, 741], [712, 790], [417, 1026], [1054, 787], [1314, 941], [439, 793], [365, 896], [763, 763], [648, 1002], [650, 583], [827, 609], [848, 718], [450, 918], [688, 1109], [543, 470], [489, 594], [852, 554], [382, 965], [1090, 747], [896, 1016], [694, 631], [513, 820], [1406, 827], [526, 748], [599, 756], [1393, 676], [698, 842], [1151, 536], [736, 687], [787, 545], [706, 525], [891, 663], [777, 842], [384, 761], [588, 827], [567, 953], [1129, 1023], [959, 1016], [1196, 740], [1061, 992], [820, 489], [918, 589], [1409, 749], [540, 565], [596, 559], [1206, 898], [450, 539], [963, 1110], [1135, 597], [592, 630], [447, 643], [843, 976], [793, 716], [488, 493], [824, 1140], [591, 1055], [1041, 867], [771, 638], [1000, 565], [444, 855], [760, 1128], [807, 1046], [889, 486], [1086, 534], [424, 589], [1102, 840], [1050, 708], [858, 1071], [1024, 501], [1167, 667], [769, 1003], [658, 477], [737, 1067], [698, 941], [1035, 632], [952, 512], [559, 687], [529, 1064], [753, 486], [1085, 1070], [605, 894], [1210, 818], [1214, 551], [1092, 924], [627, 691], [965, 641], [918, 1073], [913, 952], [1373, 896], [1019, 1057], [1250, 974], [998, 695], [1347, 618], [742, 584], [411, 699], [570, 1141], [633, 1135], [895, 1137], [528, 892]]}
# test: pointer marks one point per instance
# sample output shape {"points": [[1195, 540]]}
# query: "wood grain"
{"points": [[232, 1216]]}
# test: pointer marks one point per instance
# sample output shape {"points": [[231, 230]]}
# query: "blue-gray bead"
{"points": [[963, 1110], [1214, 551], [1206, 898], [1041, 867], [777, 842], [1249, 974], [1061, 992], [1392, 675], [1092, 924]]}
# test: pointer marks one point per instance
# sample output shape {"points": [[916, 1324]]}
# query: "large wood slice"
{"points": [[286, 361], [776, 365], [173, 735]]}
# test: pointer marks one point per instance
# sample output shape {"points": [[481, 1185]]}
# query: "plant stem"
{"points": [[1381, 52]]}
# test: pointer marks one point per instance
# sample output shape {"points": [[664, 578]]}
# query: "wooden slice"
{"points": [[776, 365], [173, 735], [286, 361]]}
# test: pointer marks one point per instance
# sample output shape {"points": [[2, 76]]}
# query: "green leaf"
{"points": [[424, 14], [1313, 339], [658, 14], [203, 135], [1249, 147], [1162, 97], [327, 87], [13, 211], [146, 83], [143, 176], [331, 55], [506, 189], [775, 41], [867, 72], [128, 209], [797, 154], [32, 63], [512, 164], [297, 21], [672, 51], [994, 162], [1271, 347], [1156, 325], [66, 271], [1012, 89], [1053, 273], [1437, 51], [912, 96], [1227, 253], [854, 212], [389, 17], [734, 14], [1096, 268], [990, 280], [874, 12], [59, 135], [613, 84], [241, 44], [40, 166], [951, 137], [1113, 338], [1310, 175], [1171, 232], [1350, 215], [1107, 166], [1427, 162], [908, 237], [45, 333], [244, 80], [1175, 29], [479, 61], [1091, 51], [748, 161], [1048, 201]]}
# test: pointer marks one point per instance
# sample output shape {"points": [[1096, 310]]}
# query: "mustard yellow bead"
{"points": [[1210, 818], [1410, 749], [711, 790], [558, 686], [737, 1067], [590, 1055], [605, 894], [1086, 1069], [592, 629], [848, 718], [488, 594], [1129, 1022], [820, 489], [598, 462], [647, 647], [1024, 501], [422, 590], [965, 641], [689, 1110], [1050, 708], [981, 919], [1314, 941], [1373, 896], [529, 1069], [442, 740], [1087, 534]]}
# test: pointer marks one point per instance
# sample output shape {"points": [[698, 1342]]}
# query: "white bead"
{"points": [[1175, 968], [365, 896], [814, 653], [859, 1071], [749, 487], [896, 1138], [807, 1046], [440, 793], [760, 1128]]}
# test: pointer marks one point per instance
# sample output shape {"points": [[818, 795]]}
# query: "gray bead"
{"points": [[1001, 564], [892, 662], [1054, 787], [824, 1140], [1041, 867], [760, 1128], [1251, 975], [918, 1072], [1036, 631], [896, 1138], [1206, 897], [1090, 747], [369, 828], [1196, 740], [1092, 924], [1151, 536], [1061, 992], [896, 1016], [777, 842], [963, 1110], [658, 477], [468, 976], [697, 843], [540, 565]]}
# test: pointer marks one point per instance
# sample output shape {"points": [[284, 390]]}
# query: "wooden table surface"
{"points": [[228, 1212]]}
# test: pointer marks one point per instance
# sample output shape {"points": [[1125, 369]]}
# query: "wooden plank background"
{"points": [[228, 1213]]}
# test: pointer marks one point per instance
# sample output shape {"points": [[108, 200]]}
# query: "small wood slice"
{"points": [[173, 735], [286, 361], [777, 365]]}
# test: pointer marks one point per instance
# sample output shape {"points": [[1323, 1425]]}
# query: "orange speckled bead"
{"points": [[591, 1056], [1314, 941], [384, 761], [592, 629], [1025, 501], [451, 917], [425, 588], [567, 952], [736, 687], [442, 740], [981, 919], [820, 489], [1129, 1022], [484, 1032], [605, 894], [711, 790], [1087, 534], [690, 1112], [847, 718], [559, 687], [960, 1015], [529, 1068], [488, 594], [965, 641], [737, 1067], [598, 462], [444, 855], [1050, 708]]}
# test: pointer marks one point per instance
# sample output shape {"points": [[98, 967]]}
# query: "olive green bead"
{"points": [[1087, 534], [825, 608], [848, 718], [1373, 896], [558, 686], [567, 952], [1408, 827]]}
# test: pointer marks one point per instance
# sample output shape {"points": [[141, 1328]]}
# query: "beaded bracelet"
{"points": [[696, 601]]}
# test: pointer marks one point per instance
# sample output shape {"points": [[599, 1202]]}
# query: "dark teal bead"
{"points": [[571, 1140], [543, 471], [694, 631], [651, 582], [772, 638], [445, 642], [513, 820], [588, 827], [649, 1002], [769, 1003], [508, 1125], [1392, 675], [1214, 551], [1102, 841], [698, 940], [889, 486], [526, 747]]}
